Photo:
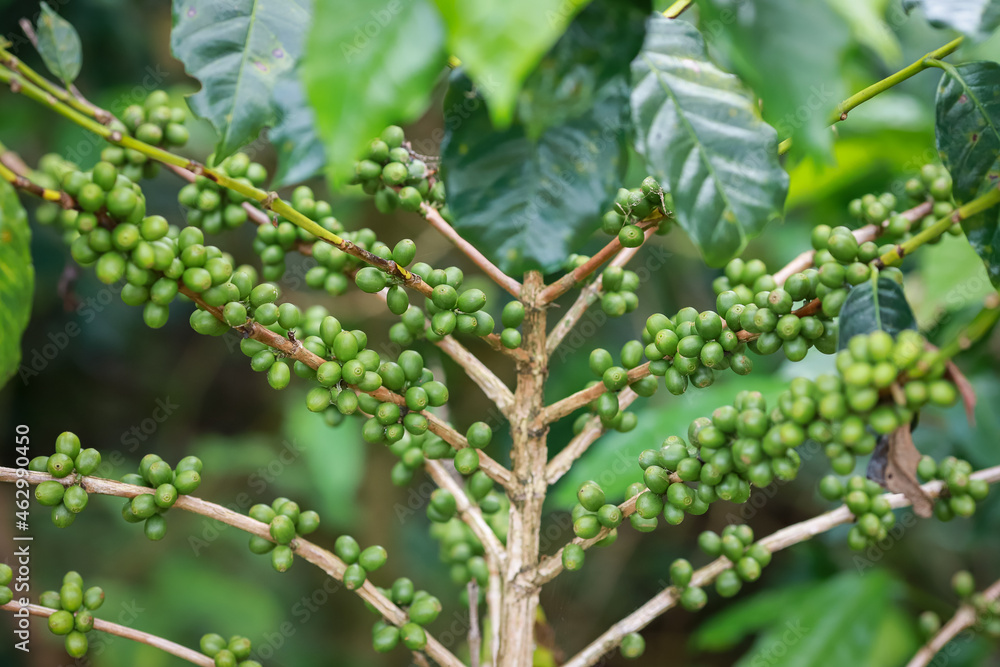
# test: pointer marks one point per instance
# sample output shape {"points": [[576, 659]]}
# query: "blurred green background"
{"points": [[818, 603]]}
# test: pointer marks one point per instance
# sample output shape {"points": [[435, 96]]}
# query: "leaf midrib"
{"points": [[239, 75], [702, 152], [956, 75]]}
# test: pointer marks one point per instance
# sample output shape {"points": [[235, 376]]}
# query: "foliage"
{"points": [[551, 111]]}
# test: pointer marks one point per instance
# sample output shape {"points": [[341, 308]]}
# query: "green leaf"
{"points": [[17, 279], [699, 132], [983, 230], [976, 18], [334, 458], [239, 50], [967, 127], [748, 616], [365, 69], [868, 309], [598, 46], [866, 20], [951, 278], [838, 625], [789, 52], [59, 45], [527, 204], [300, 150], [500, 41]]}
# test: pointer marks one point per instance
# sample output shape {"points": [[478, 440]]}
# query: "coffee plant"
{"points": [[533, 184]]}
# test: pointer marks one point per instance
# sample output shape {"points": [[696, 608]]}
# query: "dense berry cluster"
{"points": [[960, 493], [214, 208], [632, 207], [421, 607], [232, 653], [66, 501], [735, 543], [932, 184], [881, 382], [286, 521], [169, 483], [462, 552], [987, 611], [872, 513], [398, 177], [73, 617], [154, 122]]}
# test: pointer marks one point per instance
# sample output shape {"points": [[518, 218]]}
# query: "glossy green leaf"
{"points": [[983, 230], [976, 18], [699, 132], [500, 41], [750, 615], [368, 68], [967, 127], [300, 150], [839, 624], [798, 73], [527, 204], [17, 279], [598, 46], [59, 45], [239, 51], [869, 308]]}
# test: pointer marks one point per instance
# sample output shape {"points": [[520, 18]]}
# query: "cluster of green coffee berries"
{"points": [[961, 493], [932, 184], [169, 483], [450, 309], [987, 611], [73, 617], [873, 517], [6, 576], [632, 207], [360, 562], [881, 383], [286, 521], [214, 208], [66, 501], [397, 177], [421, 607], [156, 123], [232, 653], [735, 543], [745, 443], [615, 378], [461, 551]]}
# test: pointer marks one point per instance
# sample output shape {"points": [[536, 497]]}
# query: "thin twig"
{"points": [[781, 539], [965, 617], [573, 402], [564, 284], [182, 652], [588, 296], [475, 638], [295, 350], [433, 216], [309, 551], [575, 448]]}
